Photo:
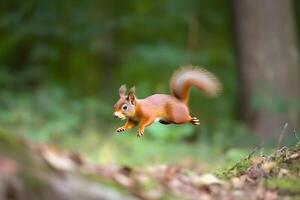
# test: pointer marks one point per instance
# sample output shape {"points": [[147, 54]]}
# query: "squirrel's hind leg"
{"points": [[195, 121]]}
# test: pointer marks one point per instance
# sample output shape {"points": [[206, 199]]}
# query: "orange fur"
{"points": [[186, 77], [165, 108]]}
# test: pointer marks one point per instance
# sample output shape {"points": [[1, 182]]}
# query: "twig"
{"points": [[281, 135], [296, 136], [252, 153], [260, 146]]}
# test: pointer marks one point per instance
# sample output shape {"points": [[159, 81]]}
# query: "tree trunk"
{"points": [[267, 59]]}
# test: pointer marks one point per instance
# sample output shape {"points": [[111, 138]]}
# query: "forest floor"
{"points": [[32, 170]]}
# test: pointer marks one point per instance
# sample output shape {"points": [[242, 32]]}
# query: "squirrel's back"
{"points": [[186, 77]]}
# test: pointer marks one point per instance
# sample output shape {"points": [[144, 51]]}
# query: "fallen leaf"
{"points": [[258, 160], [283, 172], [268, 166], [57, 161], [123, 180], [238, 182], [206, 179], [77, 158]]}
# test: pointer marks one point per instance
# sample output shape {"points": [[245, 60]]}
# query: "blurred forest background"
{"points": [[62, 62]]}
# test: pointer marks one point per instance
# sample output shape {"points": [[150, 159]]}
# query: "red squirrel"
{"points": [[167, 109]]}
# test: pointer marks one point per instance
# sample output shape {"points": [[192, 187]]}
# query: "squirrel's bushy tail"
{"points": [[186, 77]]}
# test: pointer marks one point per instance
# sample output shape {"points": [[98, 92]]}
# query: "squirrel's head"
{"points": [[125, 106]]}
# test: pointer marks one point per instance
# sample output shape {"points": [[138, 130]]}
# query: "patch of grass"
{"points": [[285, 185], [238, 169], [35, 182], [126, 149], [287, 159], [8, 141]]}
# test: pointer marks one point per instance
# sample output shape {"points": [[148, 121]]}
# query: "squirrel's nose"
{"points": [[115, 115]]}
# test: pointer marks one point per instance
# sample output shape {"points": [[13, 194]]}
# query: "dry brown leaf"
{"points": [[258, 160], [77, 158], [238, 182], [294, 156], [170, 172], [283, 172], [142, 178], [123, 180], [268, 166], [57, 161], [206, 179]]}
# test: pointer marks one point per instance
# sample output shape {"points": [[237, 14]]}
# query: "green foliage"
{"points": [[48, 114], [62, 63], [170, 133]]}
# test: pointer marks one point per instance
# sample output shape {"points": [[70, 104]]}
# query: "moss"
{"points": [[238, 169], [284, 185], [292, 166], [289, 161], [288, 185], [34, 182], [8, 142]]}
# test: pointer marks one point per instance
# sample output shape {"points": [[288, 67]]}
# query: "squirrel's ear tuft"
{"points": [[132, 90], [131, 95], [122, 90]]}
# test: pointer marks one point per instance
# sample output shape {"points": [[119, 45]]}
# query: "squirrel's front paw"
{"points": [[121, 129], [140, 133]]}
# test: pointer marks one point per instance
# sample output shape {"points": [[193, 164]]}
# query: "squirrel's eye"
{"points": [[124, 107]]}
